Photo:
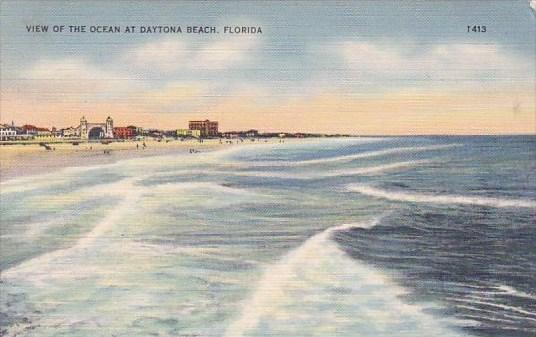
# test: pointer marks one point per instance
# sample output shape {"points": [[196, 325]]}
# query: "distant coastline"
{"points": [[19, 159]]}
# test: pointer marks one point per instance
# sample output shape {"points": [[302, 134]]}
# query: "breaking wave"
{"points": [[329, 174], [445, 199], [293, 293], [347, 158], [47, 259]]}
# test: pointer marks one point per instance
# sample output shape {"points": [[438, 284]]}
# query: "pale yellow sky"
{"points": [[398, 113]]}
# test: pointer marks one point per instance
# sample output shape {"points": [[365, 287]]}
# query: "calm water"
{"points": [[420, 236]]}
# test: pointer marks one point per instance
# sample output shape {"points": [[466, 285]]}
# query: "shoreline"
{"points": [[32, 159]]}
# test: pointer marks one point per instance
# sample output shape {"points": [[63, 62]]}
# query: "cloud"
{"points": [[369, 57], [165, 54], [69, 68], [73, 80], [172, 55], [457, 61], [226, 53]]}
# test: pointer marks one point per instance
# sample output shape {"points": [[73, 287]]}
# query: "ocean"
{"points": [[385, 236]]}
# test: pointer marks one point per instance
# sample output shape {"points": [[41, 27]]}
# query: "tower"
{"points": [[109, 129], [83, 128]]}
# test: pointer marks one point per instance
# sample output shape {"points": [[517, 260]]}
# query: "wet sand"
{"points": [[20, 160]]}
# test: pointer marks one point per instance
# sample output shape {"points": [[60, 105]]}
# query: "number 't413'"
{"points": [[476, 29]]}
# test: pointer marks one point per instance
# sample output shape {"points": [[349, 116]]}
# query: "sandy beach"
{"points": [[29, 159]]}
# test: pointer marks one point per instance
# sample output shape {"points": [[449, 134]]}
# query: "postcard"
{"points": [[268, 168]]}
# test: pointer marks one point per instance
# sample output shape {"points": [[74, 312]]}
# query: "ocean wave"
{"points": [[504, 289], [63, 176], [472, 300], [351, 157], [317, 272], [171, 187], [130, 192], [49, 259], [446, 199], [368, 170], [309, 143]]}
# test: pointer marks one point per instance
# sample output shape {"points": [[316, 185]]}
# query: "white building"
{"points": [[188, 133], [7, 132], [71, 132]]}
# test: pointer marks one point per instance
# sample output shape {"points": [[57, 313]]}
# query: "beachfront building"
{"points": [[122, 132], [7, 132], [56, 133], [44, 134], [96, 130], [207, 128], [252, 133], [138, 131], [241, 134], [30, 130], [182, 133], [38, 133], [12, 132], [153, 133], [70, 132]]}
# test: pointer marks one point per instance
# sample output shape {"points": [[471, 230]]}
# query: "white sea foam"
{"points": [[308, 143], [504, 289], [131, 194], [445, 199], [203, 186], [501, 289], [375, 169], [479, 309], [351, 157], [471, 299], [291, 294], [368, 170], [32, 182]]}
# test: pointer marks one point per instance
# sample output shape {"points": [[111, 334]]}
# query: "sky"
{"points": [[358, 67]]}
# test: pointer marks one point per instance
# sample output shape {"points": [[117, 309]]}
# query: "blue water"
{"points": [[411, 236]]}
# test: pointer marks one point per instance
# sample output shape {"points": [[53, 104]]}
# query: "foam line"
{"points": [[330, 174], [100, 228], [308, 142], [274, 280], [504, 289], [509, 308], [445, 199], [472, 308], [347, 158], [314, 268], [202, 186], [36, 181]]}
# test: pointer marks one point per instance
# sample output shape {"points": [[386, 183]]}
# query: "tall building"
{"points": [[207, 128]]}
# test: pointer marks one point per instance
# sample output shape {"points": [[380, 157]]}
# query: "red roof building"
{"points": [[207, 128], [124, 132]]}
